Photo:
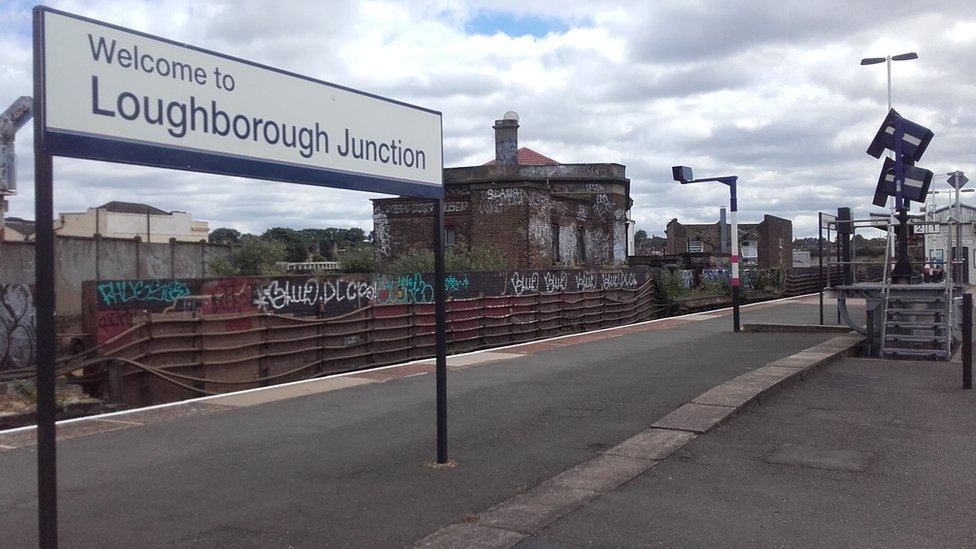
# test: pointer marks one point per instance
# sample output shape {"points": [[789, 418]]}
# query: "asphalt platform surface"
{"points": [[864, 453], [347, 468]]}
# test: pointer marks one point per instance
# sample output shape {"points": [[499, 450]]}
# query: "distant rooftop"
{"points": [[528, 157], [22, 226], [132, 208]]}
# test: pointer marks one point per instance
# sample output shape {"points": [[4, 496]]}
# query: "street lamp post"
{"points": [[683, 175], [903, 270], [887, 60]]}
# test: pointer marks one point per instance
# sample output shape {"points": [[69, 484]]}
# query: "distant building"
{"points": [[534, 211], [15, 228], [128, 220], [801, 259], [941, 247], [767, 244]]}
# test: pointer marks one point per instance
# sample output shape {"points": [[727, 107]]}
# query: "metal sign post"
{"points": [[96, 91], [684, 175], [957, 180], [440, 338]]}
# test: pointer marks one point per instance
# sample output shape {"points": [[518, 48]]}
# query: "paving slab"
{"points": [[183, 410], [770, 372], [65, 431], [471, 536], [285, 392], [602, 473], [737, 392], [532, 510], [793, 362], [653, 444], [821, 458], [697, 418], [815, 357], [383, 375]]}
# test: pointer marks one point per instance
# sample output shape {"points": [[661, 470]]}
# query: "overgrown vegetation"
{"points": [[254, 256], [358, 260], [457, 258], [670, 285]]}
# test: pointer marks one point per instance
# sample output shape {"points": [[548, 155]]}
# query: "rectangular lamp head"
{"points": [[916, 187], [682, 174], [916, 140]]}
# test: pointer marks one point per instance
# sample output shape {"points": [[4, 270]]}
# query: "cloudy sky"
{"points": [[769, 90]]}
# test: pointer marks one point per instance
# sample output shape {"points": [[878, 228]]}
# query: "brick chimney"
{"points": [[506, 139]]}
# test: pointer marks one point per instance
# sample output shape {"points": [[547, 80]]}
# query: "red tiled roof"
{"points": [[528, 157]]}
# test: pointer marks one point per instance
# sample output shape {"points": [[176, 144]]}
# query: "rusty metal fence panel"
{"points": [[178, 355]]}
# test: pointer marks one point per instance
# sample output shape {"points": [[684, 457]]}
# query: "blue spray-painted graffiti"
{"points": [[403, 289], [120, 292], [453, 283]]}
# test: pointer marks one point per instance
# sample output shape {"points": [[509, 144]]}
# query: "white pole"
{"points": [[889, 82], [735, 247], [959, 257]]}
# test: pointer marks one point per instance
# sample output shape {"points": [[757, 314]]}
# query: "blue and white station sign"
{"points": [[119, 95]]}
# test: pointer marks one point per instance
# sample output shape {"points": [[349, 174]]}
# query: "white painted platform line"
{"points": [[205, 399]]}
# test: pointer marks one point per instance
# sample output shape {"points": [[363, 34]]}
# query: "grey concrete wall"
{"points": [[81, 259], [17, 266]]}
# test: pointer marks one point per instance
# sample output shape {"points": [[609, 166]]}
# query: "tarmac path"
{"points": [[864, 453], [345, 466]]}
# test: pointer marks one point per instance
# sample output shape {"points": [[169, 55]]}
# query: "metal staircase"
{"points": [[917, 317], [917, 322]]}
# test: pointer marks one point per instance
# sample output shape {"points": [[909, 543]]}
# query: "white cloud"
{"points": [[769, 90]]}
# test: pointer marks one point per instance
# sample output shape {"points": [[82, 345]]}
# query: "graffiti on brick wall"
{"points": [[408, 208], [455, 207], [17, 333], [381, 234], [499, 200], [749, 278]]}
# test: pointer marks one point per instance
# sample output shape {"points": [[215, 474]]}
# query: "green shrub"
{"points": [[457, 258], [254, 256], [669, 285], [358, 260]]}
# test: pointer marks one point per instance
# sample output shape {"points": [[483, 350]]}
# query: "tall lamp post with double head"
{"points": [[684, 175], [903, 271], [887, 60]]}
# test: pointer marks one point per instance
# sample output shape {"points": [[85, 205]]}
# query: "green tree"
{"points": [[225, 235], [254, 256], [295, 246], [358, 260]]}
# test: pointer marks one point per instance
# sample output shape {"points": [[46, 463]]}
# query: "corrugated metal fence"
{"points": [[169, 357]]}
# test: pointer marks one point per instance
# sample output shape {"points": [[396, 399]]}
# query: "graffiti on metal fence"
{"points": [[532, 282], [311, 293], [453, 283], [121, 304], [18, 341], [404, 290], [124, 292]]}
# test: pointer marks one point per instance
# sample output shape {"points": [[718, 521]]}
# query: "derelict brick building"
{"points": [[767, 244], [536, 212]]}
